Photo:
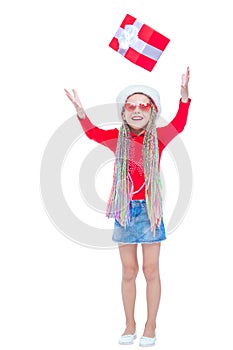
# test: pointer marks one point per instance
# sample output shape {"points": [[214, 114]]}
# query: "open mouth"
{"points": [[137, 118]]}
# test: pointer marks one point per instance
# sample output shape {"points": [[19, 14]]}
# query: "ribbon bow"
{"points": [[128, 37]]}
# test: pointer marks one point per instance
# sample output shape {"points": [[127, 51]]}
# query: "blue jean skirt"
{"points": [[138, 230]]}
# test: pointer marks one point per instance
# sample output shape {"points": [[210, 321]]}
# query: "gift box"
{"points": [[139, 43]]}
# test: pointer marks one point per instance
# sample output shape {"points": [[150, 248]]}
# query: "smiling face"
{"points": [[137, 112]]}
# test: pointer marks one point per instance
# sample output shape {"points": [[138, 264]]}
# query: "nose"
{"points": [[137, 109]]}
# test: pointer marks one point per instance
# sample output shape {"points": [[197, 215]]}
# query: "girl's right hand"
{"points": [[76, 102]]}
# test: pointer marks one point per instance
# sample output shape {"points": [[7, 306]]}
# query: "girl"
{"points": [[135, 199]]}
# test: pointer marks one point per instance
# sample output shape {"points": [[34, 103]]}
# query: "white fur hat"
{"points": [[143, 89]]}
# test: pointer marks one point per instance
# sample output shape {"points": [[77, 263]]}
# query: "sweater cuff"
{"points": [[184, 103]]}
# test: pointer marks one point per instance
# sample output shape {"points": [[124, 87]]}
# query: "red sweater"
{"points": [[165, 134]]}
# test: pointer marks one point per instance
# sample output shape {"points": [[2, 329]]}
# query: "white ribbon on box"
{"points": [[128, 37]]}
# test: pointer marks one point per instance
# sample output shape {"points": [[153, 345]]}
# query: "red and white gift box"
{"points": [[139, 43]]}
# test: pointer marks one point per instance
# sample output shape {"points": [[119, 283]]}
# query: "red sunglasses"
{"points": [[131, 107]]}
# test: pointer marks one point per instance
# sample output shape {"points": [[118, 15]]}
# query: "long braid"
{"points": [[121, 192], [151, 173]]}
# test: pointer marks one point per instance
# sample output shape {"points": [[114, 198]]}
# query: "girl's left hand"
{"points": [[184, 85]]}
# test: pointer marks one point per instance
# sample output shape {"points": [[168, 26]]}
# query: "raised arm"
{"points": [[168, 132], [106, 137]]}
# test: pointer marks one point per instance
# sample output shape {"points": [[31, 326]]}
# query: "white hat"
{"points": [[143, 89]]}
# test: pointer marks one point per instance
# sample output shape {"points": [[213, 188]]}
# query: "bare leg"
{"points": [[128, 254], [153, 289]]}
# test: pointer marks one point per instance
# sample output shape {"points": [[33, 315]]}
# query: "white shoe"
{"points": [[127, 339], [146, 341]]}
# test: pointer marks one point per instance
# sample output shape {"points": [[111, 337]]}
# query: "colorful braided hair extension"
{"points": [[122, 188]]}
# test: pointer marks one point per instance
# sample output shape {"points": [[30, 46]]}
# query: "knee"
{"points": [[151, 272], [130, 273]]}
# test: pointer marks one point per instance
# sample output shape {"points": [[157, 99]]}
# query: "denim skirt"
{"points": [[138, 230]]}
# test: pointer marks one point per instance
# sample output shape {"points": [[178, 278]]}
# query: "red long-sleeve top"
{"points": [[165, 134]]}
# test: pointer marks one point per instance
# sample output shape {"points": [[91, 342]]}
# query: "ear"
{"points": [[123, 115]]}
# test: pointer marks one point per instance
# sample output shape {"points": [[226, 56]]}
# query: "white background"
{"points": [[56, 294]]}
